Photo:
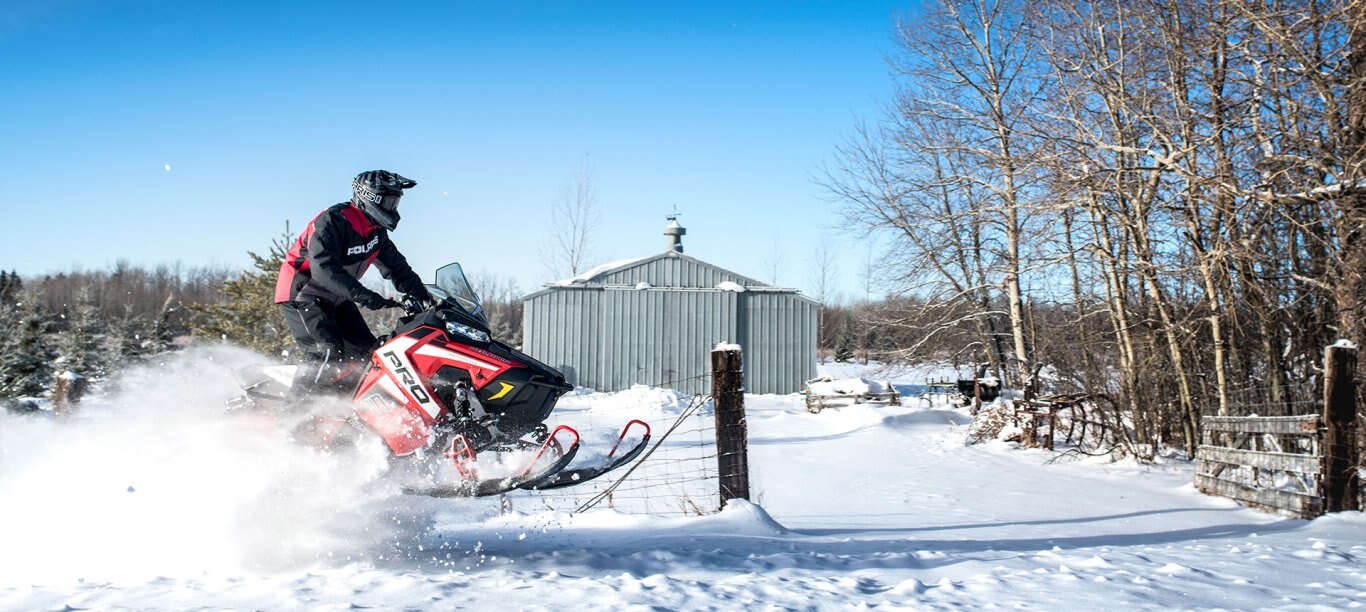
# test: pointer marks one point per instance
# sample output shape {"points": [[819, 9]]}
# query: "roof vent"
{"points": [[675, 233]]}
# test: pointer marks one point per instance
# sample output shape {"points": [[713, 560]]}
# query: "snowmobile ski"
{"points": [[573, 477], [550, 457]]}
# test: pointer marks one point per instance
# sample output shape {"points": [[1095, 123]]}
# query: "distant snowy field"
{"points": [[149, 499]]}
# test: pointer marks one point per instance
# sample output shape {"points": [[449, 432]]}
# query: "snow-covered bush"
{"points": [[995, 421]]}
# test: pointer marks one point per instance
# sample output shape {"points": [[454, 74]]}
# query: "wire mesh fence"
{"points": [[675, 476], [1290, 398]]}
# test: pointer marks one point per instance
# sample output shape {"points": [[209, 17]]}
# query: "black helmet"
{"points": [[376, 192]]}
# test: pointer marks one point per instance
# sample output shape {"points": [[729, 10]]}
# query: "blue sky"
{"points": [[265, 110]]}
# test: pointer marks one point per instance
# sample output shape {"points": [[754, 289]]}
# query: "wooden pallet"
{"points": [[817, 403]]}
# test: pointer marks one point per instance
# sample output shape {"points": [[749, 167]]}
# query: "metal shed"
{"points": [[654, 321]]}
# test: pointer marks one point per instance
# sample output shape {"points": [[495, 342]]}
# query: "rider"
{"points": [[318, 288]]}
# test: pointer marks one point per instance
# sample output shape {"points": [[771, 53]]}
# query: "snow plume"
{"points": [[153, 478]]}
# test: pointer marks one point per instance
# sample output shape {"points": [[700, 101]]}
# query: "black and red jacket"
{"points": [[333, 252]]}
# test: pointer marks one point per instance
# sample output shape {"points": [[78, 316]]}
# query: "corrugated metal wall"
{"points": [[609, 338], [779, 339], [662, 338], [560, 328]]}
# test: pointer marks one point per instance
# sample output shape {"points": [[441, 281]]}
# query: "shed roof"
{"points": [[650, 270]]}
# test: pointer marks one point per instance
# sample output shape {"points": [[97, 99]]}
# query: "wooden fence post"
{"points": [[732, 446], [976, 386], [1341, 457], [70, 388]]}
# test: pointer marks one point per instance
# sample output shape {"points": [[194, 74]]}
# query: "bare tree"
{"points": [[574, 219], [824, 272], [502, 300], [1194, 170], [979, 71], [951, 176], [774, 263], [1314, 140]]}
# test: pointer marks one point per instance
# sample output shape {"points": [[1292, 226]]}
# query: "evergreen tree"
{"points": [[25, 353], [79, 346], [10, 286], [248, 315], [161, 335], [127, 338], [844, 347], [9, 338]]}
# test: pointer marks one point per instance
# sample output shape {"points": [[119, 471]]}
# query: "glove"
{"points": [[414, 304], [423, 297], [375, 301], [418, 300]]}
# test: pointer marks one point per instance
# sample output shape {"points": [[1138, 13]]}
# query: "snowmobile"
{"points": [[447, 398]]}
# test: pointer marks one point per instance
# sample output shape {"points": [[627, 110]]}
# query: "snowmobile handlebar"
{"points": [[412, 305]]}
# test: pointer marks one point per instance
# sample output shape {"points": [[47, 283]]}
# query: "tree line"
{"points": [[1160, 203], [92, 323]]}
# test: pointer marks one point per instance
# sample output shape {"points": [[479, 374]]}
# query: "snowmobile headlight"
{"points": [[467, 331]]}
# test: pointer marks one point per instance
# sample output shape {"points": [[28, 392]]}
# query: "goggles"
{"points": [[389, 202]]}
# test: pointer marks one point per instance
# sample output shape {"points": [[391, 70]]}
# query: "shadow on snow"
{"points": [[676, 546]]}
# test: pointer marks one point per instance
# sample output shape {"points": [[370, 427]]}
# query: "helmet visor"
{"points": [[389, 202]]}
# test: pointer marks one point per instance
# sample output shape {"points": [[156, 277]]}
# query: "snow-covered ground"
{"points": [[151, 500]]}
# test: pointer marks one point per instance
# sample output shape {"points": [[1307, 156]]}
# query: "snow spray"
{"points": [[152, 477]]}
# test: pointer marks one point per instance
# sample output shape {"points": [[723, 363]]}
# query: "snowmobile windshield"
{"points": [[452, 285]]}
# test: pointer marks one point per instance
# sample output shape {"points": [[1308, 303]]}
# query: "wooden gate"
{"points": [[1271, 463], [1304, 465]]}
